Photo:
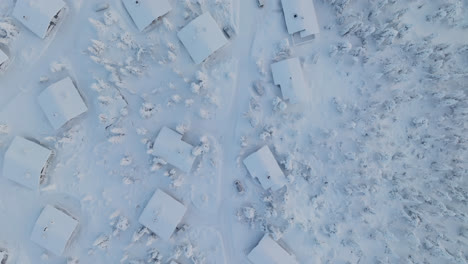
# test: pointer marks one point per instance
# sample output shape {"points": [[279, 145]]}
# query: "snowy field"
{"points": [[158, 141]]}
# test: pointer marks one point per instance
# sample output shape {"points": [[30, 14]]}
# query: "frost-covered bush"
{"points": [[354, 24], [4, 129], [117, 135], [340, 49], [72, 260], [450, 14], [121, 223], [338, 5], [157, 163], [279, 105], [154, 256], [202, 148], [140, 233], [395, 71], [283, 50], [8, 31], [147, 109], [385, 36]]}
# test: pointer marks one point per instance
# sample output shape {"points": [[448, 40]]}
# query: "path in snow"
{"points": [[241, 46]]}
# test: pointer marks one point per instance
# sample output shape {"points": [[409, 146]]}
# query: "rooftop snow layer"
{"points": [[300, 17], [288, 75], [162, 214], [24, 161], [61, 102], [269, 252], [263, 166], [170, 147], [144, 12], [37, 14], [3, 57], [53, 229], [202, 37]]}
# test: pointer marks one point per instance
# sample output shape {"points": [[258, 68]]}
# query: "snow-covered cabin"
{"points": [[144, 12], [268, 251], [289, 76], [170, 147], [300, 17], [202, 37], [263, 166], [38, 15], [3, 57], [61, 102], [25, 161], [162, 214], [53, 230]]}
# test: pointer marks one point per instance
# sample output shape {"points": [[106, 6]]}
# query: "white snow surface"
{"points": [[37, 15], [24, 161], [373, 154], [61, 102], [202, 37], [162, 214], [53, 229], [269, 251], [144, 12]]}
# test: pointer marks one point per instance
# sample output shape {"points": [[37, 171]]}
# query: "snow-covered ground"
{"points": [[375, 152]]}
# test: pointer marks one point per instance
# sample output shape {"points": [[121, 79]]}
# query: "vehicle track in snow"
{"points": [[245, 75]]}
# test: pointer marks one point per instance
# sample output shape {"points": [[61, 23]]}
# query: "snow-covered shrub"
{"points": [[117, 135], [154, 256], [283, 50], [338, 5], [8, 31], [450, 14], [279, 105], [147, 109]]}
